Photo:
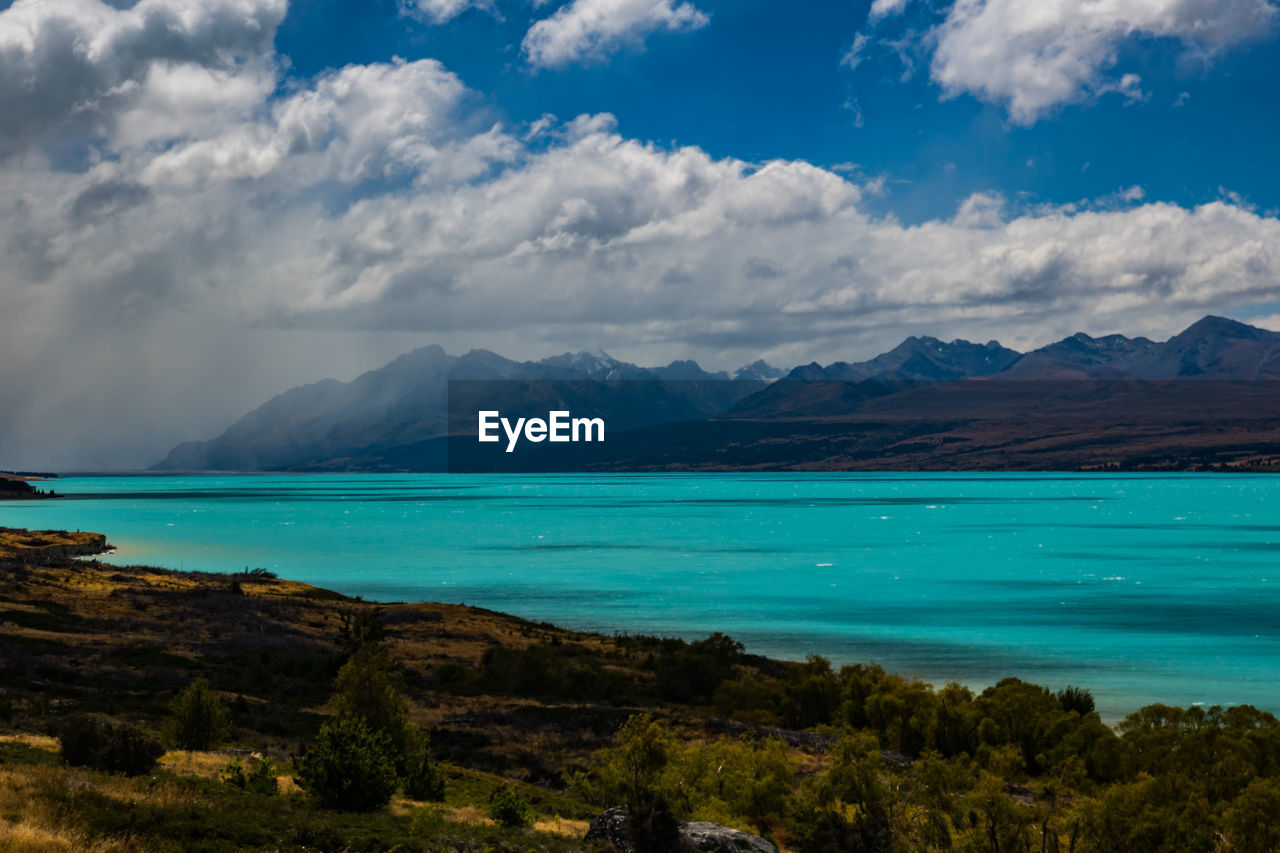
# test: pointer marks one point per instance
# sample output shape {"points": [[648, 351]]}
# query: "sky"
{"points": [[206, 202]]}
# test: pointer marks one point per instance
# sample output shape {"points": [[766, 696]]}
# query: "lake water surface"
{"points": [[1141, 588]]}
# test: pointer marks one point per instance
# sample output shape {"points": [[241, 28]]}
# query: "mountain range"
{"points": [[1212, 348], [331, 425], [394, 417]]}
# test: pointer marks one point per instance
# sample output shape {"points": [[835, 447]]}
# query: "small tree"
{"points": [[198, 719], [361, 627], [1076, 699], [849, 804], [1253, 820], [421, 776], [349, 766], [509, 808], [630, 774], [368, 686]]}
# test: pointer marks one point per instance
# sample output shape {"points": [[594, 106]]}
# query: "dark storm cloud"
{"points": [[71, 66], [107, 198]]}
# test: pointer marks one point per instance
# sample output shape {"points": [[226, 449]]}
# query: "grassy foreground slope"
{"points": [[535, 729]]}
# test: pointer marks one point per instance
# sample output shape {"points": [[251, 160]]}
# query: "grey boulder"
{"points": [[702, 836]]}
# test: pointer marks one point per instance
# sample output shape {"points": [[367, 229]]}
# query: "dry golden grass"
{"points": [[183, 762], [35, 741], [28, 823], [563, 826], [63, 543], [34, 815], [209, 765], [467, 816], [18, 607], [27, 837]]}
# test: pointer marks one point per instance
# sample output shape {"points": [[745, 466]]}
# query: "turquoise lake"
{"points": [[1141, 588]]}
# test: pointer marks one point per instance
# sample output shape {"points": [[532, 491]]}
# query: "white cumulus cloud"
{"points": [[886, 8], [590, 30], [1035, 56], [441, 11]]}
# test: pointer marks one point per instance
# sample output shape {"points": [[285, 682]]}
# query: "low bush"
{"points": [[688, 672], [198, 719], [111, 747], [551, 671], [260, 778], [421, 777], [1076, 699], [509, 808], [349, 767]]}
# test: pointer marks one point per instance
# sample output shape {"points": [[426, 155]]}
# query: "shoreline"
{"points": [[51, 546], [17, 486], [979, 667], [18, 542]]}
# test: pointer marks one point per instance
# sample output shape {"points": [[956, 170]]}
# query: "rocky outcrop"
{"points": [[15, 486], [611, 826], [702, 836], [50, 543], [12, 487]]}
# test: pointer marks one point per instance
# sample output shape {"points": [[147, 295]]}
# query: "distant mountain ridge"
{"points": [[332, 425], [1211, 348], [927, 359], [367, 423]]}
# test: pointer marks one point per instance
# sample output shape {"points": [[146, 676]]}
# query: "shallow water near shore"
{"points": [[1143, 588]]}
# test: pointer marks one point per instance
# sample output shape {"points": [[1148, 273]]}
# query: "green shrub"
{"points": [[112, 748], [811, 695], [257, 574], [369, 686], [361, 627], [848, 805], [509, 808], [197, 719], [1152, 815], [692, 672], [421, 777], [1076, 699], [39, 706], [631, 774], [733, 781], [261, 779], [1253, 821], [349, 767], [658, 778], [429, 821], [632, 767], [750, 700], [550, 670], [454, 676], [233, 774]]}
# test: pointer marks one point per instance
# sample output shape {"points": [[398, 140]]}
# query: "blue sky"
{"points": [[765, 80]]}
